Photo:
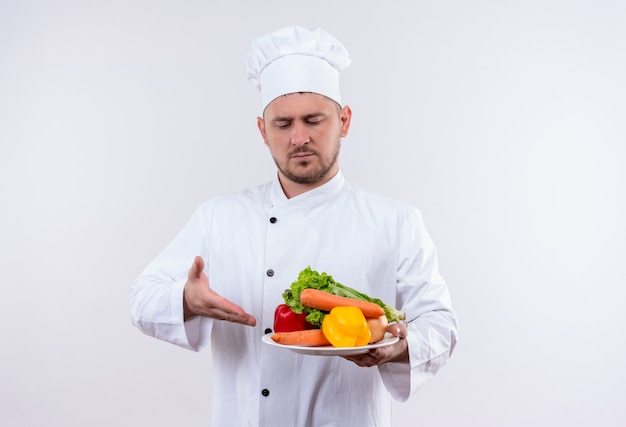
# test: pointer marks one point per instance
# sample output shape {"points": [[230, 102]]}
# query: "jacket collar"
{"points": [[311, 198]]}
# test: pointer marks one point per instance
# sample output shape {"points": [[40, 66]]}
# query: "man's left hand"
{"points": [[398, 352]]}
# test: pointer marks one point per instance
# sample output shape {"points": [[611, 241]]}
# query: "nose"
{"points": [[299, 136]]}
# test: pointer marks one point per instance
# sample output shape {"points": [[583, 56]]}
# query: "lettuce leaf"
{"points": [[309, 278]]}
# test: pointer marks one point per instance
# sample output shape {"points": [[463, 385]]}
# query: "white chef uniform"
{"points": [[254, 244]]}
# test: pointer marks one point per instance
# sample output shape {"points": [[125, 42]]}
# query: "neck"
{"points": [[293, 189]]}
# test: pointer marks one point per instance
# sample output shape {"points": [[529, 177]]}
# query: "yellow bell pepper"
{"points": [[346, 327]]}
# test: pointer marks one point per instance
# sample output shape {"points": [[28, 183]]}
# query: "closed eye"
{"points": [[282, 124], [314, 119], [310, 120]]}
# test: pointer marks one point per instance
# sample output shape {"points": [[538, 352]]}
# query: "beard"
{"points": [[312, 176]]}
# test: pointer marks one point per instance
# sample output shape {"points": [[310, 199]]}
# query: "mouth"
{"points": [[302, 155]]}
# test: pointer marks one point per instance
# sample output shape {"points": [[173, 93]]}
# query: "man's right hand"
{"points": [[200, 300]]}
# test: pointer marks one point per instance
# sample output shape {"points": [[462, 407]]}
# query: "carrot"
{"points": [[326, 301], [304, 338]]}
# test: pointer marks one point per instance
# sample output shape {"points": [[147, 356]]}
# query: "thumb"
{"points": [[399, 329], [195, 272]]}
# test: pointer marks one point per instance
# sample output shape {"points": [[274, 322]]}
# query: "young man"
{"points": [[245, 249]]}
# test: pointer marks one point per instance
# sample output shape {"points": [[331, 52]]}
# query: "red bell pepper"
{"points": [[285, 320]]}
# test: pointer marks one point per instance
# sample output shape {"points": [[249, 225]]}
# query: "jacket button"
{"points": [[265, 392], [273, 220], [268, 330], [270, 272]]}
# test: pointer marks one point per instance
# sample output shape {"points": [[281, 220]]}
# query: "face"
{"points": [[303, 132]]}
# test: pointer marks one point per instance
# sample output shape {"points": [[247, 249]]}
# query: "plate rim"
{"points": [[388, 339]]}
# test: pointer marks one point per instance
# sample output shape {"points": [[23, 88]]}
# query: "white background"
{"points": [[504, 122]]}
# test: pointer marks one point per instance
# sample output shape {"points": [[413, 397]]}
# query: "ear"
{"points": [[261, 125], [345, 115]]}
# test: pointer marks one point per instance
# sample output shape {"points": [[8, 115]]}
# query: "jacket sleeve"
{"points": [[156, 297], [423, 295]]}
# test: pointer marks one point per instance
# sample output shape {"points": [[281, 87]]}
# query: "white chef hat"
{"points": [[296, 59]]}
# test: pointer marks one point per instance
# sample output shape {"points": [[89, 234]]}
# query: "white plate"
{"points": [[333, 351]]}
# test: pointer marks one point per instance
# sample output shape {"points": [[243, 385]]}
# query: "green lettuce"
{"points": [[324, 282]]}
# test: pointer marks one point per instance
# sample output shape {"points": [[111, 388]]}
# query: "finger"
{"points": [[242, 317], [196, 268], [398, 330], [227, 310], [363, 360], [231, 316], [377, 354]]}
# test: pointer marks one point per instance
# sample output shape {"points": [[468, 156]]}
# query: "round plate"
{"points": [[388, 339]]}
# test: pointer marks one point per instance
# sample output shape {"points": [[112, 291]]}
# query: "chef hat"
{"points": [[296, 59]]}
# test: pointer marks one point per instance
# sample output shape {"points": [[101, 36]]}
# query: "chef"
{"points": [[216, 285]]}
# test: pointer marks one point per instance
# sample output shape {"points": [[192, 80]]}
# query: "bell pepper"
{"points": [[286, 320], [346, 327]]}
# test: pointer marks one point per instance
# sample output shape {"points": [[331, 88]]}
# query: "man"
{"points": [[245, 249]]}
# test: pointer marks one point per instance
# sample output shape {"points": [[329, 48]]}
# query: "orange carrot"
{"points": [[326, 301], [304, 338]]}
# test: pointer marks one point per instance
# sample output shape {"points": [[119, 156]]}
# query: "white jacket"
{"points": [[373, 244]]}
